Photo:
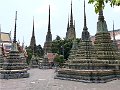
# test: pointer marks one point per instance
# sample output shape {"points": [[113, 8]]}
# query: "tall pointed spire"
{"points": [[113, 33], [85, 25], [71, 16], [49, 21], [68, 24], [49, 35], [14, 41], [33, 41], [33, 33], [85, 33], [47, 44]]}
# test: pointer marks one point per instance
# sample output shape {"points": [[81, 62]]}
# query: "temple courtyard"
{"points": [[43, 79]]}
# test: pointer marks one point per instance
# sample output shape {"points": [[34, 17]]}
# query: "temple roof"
{"points": [[5, 37]]}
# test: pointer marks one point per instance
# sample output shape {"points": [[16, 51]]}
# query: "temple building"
{"points": [[98, 63], [5, 41], [48, 42], [33, 41], [71, 34]]}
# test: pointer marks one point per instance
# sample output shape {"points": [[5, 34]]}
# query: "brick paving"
{"points": [[44, 80]]}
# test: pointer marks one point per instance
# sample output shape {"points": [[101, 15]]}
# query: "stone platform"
{"points": [[88, 76], [13, 74]]}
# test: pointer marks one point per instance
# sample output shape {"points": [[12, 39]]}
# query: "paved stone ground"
{"points": [[43, 80]]}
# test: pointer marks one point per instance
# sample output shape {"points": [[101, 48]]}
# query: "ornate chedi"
{"points": [[14, 67], [71, 34], [78, 67], [48, 42], [34, 60], [98, 63]]}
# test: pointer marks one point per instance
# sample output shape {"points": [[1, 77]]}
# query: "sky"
{"points": [[60, 9]]}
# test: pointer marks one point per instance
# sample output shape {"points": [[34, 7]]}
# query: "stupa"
{"points": [[14, 67], [96, 64]]}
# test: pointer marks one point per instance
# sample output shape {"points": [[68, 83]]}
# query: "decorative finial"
{"points": [[71, 17], [49, 20], [84, 15], [14, 41], [85, 24], [33, 33]]}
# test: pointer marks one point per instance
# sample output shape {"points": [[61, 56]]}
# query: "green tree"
{"points": [[62, 47], [37, 52], [58, 38], [100, 4], [59, 59]]}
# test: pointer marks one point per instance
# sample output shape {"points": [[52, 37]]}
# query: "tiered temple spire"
{"points": [[49, 35], [98, 63], [47, 45], [85, 33], [71, 34], [33, 41]]}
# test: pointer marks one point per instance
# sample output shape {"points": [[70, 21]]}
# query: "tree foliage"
{"points": [[100, 4], [37, 52], [59, 59], [62, 47]]}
